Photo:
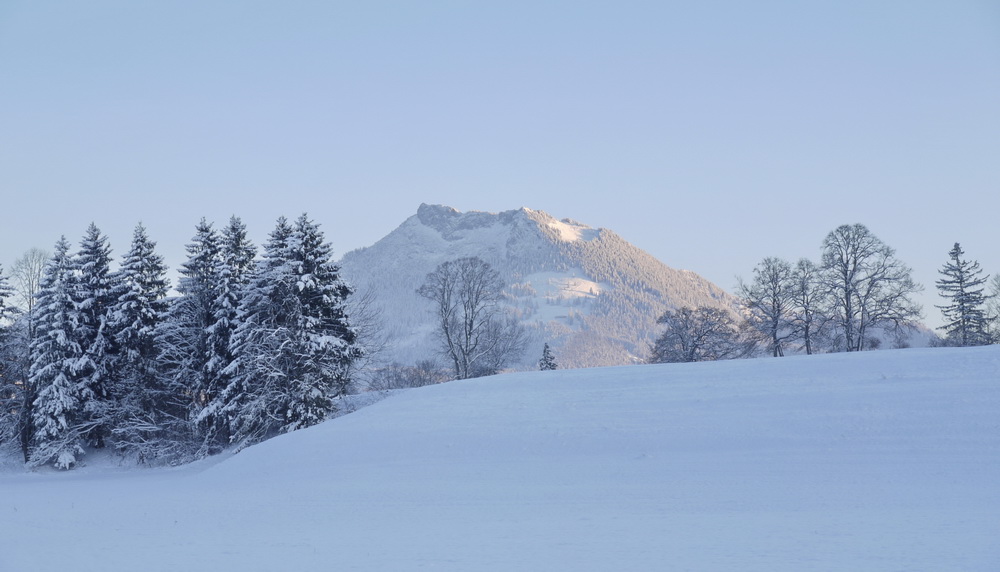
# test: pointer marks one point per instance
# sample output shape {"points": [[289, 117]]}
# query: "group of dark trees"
{"points": [[251, 347], [857, 295]]}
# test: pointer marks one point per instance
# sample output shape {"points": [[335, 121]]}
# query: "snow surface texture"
{"points": [[876, 461], [587, 292]]}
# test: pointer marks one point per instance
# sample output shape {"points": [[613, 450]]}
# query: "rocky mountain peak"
{"points": [[587, 292]]}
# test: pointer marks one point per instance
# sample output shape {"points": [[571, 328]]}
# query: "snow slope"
{"points": [[876, 461]]}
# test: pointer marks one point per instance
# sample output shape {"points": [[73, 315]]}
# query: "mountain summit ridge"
{"points": [[590, 294]]}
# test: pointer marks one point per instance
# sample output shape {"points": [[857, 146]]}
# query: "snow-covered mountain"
{"points": [[586, 291]]}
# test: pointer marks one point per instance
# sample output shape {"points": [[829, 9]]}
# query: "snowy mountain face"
{"points": [[587, 292]]}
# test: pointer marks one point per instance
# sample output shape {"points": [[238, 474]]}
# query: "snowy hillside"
{"points": [[875, 461], [590, 294]]}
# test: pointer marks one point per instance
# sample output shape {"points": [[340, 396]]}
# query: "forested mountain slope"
{"points": [[587, 292]]}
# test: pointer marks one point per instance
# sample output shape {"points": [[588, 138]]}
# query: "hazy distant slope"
{"points": [[587, 292]]}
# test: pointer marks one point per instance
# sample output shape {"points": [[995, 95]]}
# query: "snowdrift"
{"points": [[876, 461]]}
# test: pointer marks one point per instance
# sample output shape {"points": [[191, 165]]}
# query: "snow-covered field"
{"points": [[877, 461]]}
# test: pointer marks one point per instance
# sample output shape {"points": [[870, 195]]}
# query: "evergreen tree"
{"points": [[145, 408], [10, 392], [548, 362], [294, 345], [962, 284], [187, 348], [234, 270], [251, 399], [94, 296], [7, 312], [54, 373]]}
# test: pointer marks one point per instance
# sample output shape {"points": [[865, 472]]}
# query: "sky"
{"points": [[711, 134]]}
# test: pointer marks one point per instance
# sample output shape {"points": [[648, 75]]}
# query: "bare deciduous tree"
{"points": [[868, 287], [700, 334], [477, 335], [26, 276], [769, 299], [808, 318]]}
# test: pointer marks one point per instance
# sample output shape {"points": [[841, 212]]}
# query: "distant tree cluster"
{"points": [[101, 358], [858, 292], [399, 376]]}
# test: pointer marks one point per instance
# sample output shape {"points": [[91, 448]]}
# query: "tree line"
{"points": [[257, 343], [855, 296], [252, 346]]}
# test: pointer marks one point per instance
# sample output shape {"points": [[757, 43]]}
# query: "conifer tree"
{"points": [[548, 362], [963, 284], [146, 409], [233, 273], [187, 350], [54, 372], [250, 400], [10, 386], [7, 311], [294, 345], [94, 296]]}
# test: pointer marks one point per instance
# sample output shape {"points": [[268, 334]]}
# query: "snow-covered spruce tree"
{"points": [[148, 414], [185, 337], [7, 311], [294, 345], [10, 392], [251, 399], [54, 375], [94, 295], [962, 284], [233, 273], [769, 300], [548, 362]]}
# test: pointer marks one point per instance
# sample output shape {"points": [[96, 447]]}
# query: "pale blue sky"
{"points": [[711, 134]]}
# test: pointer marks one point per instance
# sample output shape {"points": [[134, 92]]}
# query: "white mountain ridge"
{"points": [[586, 291]]}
